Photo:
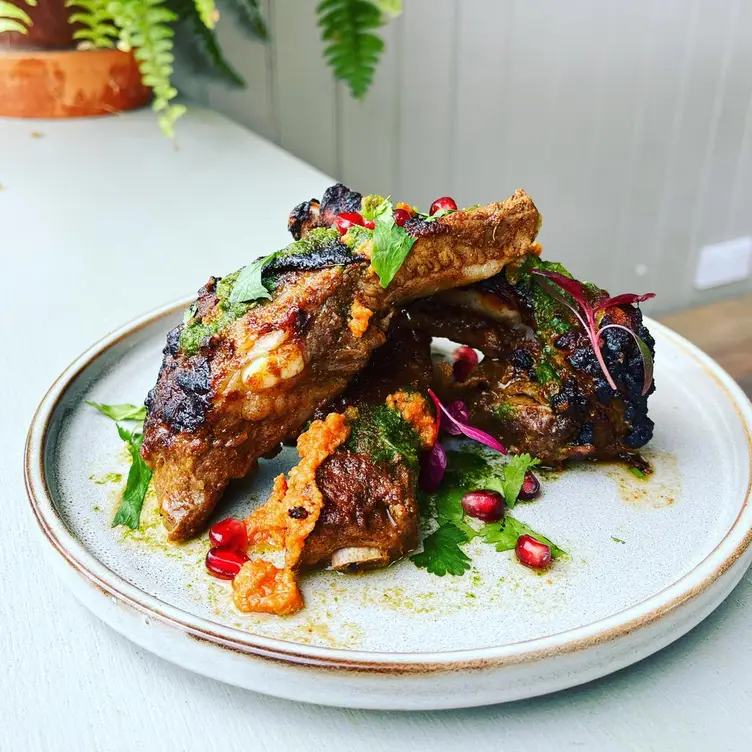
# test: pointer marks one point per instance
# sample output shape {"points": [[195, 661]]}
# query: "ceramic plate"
{"points": [[648, 559]]}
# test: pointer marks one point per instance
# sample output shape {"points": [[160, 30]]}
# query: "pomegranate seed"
{"points": [[463, 352], [369, 224], [229, 533], [225, 563], [445, 202], [401, 216], [530, 487], [343, 222], [462, 369], [532, 553], [487, 506]]}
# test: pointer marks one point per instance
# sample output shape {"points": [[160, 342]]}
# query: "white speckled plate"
{"points": [[648, 558]]}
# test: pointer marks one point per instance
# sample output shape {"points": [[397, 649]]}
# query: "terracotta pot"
{"points": [[49, 29], [69, 83]]}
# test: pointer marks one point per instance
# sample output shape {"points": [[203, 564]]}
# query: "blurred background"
{"points": [[630, 124]]}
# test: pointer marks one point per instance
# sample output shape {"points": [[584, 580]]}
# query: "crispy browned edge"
{"points": [[34, 455]]}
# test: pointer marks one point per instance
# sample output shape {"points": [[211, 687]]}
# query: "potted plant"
{"points": [[67, 58]]}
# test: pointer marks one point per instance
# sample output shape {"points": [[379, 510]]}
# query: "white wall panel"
{"points": [[629, 123]]}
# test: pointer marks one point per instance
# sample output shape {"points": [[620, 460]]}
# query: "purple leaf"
{"points": [[627, 298], [572, 286], [458, 410], [472, 433], [587, 319], [433, 465]]}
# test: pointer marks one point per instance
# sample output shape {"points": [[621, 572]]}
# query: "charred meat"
{"points": [[351, 502], [243, 373], [540, 387]]}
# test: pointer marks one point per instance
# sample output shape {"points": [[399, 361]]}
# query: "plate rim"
{"points": [[727, 551]]}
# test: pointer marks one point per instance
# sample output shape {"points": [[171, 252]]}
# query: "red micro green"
{"points": [[472, 433], [432, 468], [586, 316]]}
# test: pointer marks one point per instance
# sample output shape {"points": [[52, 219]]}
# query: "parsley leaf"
{"points": [[139, 476], [120, 412], [248, 286], [504, 535], [391, 244], [441, 552], [469, 471], [514, 476]]}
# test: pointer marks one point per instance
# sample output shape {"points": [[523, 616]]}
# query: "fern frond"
{"points": [[144, 26], [353, 50], [249, 15], [391, 8], [95, 17], [13, 18], [201, 44], [207, 12]]}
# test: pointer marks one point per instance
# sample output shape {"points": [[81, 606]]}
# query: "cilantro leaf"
{"points": [[120, 412], [469, 471], [248, 286], [514, 476], [504, 535], [391, 244], [441, 552], [139, 476]]}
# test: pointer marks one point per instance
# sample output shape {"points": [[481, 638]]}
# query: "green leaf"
{"points": [[470, 471], [127, 436], [248, 286], [353, 50], [146, 26], [139, 476], [207, 11], [391, 244], [96, 19], [514, 476], [120, 412], [249, 16], [391, 8], [9, 10], [441, 552], [203, 50], [504, 535]]}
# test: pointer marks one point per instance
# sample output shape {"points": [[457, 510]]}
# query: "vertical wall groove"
{"points": [[660, 228], [271, 72], [703, 183], [630, 124]]}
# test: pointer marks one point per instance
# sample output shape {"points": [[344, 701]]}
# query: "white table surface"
{"points": [[102, 220]]}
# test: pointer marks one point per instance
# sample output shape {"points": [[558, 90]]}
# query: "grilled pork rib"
{"points": [[351, 501], [540, 388], [370, 513], [238, 378]]}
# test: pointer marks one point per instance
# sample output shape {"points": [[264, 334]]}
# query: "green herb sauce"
{"points": [[504, 411], [196, 330], [384, 435], [369, 204], [356, 236], [545, 372]]}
